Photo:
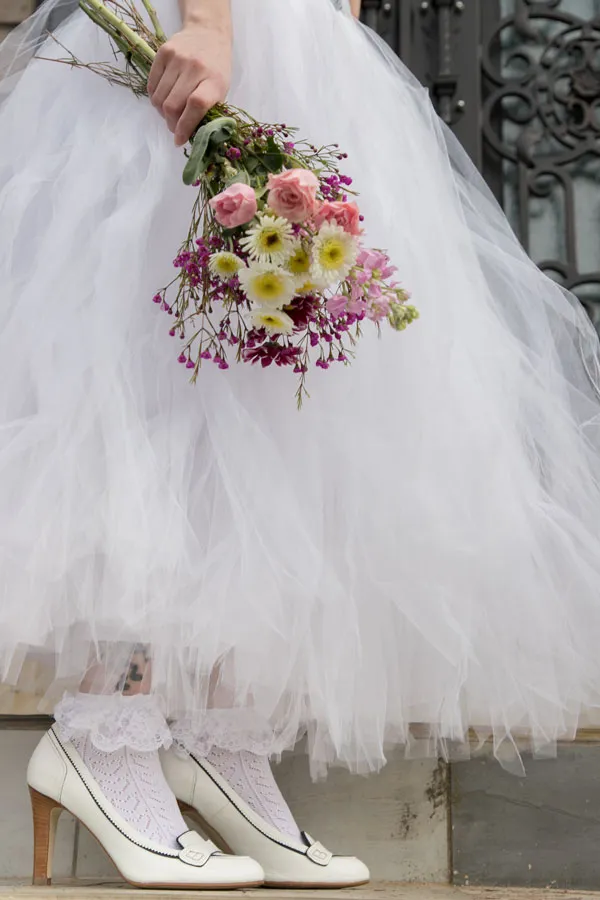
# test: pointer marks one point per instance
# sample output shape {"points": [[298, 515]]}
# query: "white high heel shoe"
{"points": [[58, 779], [228, 820]]}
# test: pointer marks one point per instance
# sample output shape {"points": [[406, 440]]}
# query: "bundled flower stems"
{"points": [[273, 269]]}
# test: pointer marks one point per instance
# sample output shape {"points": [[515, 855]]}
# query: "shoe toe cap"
{"points": [[345, 871], [245, 869]]}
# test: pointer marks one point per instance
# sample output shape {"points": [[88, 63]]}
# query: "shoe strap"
{"points": [[316, 851], [195, 850]]}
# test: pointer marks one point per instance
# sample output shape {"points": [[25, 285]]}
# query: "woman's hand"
{"points": [[191, 73]]}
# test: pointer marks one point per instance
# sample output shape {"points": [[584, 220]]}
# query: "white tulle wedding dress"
{"points": [[414, 553]]}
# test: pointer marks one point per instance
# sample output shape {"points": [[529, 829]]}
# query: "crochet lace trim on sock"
{"points": [[113, 721], [227, 729]]}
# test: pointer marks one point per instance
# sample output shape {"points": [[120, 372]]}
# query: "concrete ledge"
{"points": [[82, 890]]}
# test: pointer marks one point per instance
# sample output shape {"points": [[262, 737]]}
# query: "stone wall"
{"points": [[12, 12]]}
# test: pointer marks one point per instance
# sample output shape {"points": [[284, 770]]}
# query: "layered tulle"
{"points": [[417, 546]]}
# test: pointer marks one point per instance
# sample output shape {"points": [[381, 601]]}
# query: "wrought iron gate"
{"points": [[519, 82]]}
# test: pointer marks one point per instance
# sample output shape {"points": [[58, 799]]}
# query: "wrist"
{"points": [[213, 14]]}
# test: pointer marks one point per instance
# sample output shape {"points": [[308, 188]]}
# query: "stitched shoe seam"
{"points": [[253, 824], [174, 855]]}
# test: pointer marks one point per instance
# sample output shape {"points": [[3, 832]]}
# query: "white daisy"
{"points": [[272, 320], [310, 285], [299, 262], [270, 240], [225, 265], [334, 253], [267, 285]]}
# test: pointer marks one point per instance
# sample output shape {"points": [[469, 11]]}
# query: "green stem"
{"points": [[100, 22], [158, 30], [106, 15]]}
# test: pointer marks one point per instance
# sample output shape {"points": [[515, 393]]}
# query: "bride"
{"points": [[205, 575]]}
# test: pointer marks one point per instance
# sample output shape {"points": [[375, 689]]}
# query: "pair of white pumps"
{"points": [[58, 779]]}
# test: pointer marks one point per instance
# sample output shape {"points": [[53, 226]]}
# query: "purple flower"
{"points": [[302, 311], [287, 356], [272, 352]]}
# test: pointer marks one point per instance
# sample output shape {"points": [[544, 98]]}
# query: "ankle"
{"points": [[251, 776], [113, 721]]}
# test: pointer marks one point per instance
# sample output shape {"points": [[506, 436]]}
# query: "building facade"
{"points": [[519, 83]]}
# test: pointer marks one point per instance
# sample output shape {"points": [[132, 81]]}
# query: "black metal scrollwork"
{"points": [[542, 120], [438, 40], [440, 22]]}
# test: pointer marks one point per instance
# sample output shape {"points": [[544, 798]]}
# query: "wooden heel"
{"points": [[45, 818]]}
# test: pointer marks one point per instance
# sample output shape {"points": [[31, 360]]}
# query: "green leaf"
{"points": [[273, 160], [206, 140], [252, 164], [240, 178]]}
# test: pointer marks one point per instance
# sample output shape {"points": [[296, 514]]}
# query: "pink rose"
{"points": [[346, 215], [234, 206], [293, 194]]}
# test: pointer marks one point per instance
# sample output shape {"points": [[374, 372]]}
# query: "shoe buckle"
{"points": [[196, 851], [316, 852]]}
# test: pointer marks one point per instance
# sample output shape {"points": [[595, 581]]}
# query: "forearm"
{"points": [[213, 13], [355, 4]]}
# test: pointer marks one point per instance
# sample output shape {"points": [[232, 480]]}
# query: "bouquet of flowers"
{"points": [[273, 269]]}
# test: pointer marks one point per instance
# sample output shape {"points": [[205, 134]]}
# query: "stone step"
{"points": [[419, 820], [377, 891]]}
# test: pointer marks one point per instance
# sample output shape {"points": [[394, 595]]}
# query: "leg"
{"points": [[116, 726]]}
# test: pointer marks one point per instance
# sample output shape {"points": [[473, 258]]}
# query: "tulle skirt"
{"points": [[415, 552]]}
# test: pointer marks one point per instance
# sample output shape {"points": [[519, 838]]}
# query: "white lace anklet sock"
{"points": [[251, 777], [133, 781], [118, 738]]}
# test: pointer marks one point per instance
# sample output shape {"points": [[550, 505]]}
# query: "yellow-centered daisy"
{"points": [[225, 265], [310, 286], [334, 253], [267, 285], [272, 320], [271, 240], [299, 262]]}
